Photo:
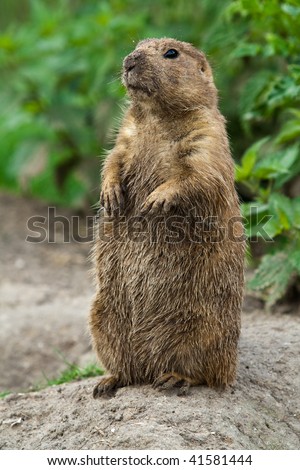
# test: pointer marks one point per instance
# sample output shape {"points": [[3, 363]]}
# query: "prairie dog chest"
{"points": [[150, 157]]}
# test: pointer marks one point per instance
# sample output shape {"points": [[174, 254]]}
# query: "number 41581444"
{"points": [[216, 459]]}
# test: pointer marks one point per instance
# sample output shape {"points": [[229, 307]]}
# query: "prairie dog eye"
{"points": [[171, 54]]}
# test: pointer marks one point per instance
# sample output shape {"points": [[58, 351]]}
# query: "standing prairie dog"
{"points": [[169, 252]]}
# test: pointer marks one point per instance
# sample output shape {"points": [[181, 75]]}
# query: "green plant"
{"points": [[269, 107], [60, 87], [53, 69], [74, 372]]}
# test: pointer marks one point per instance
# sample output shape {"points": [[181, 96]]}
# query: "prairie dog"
{"points": [[169, 253]]}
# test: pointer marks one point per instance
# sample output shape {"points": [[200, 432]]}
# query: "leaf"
{"points": [[251, 208], [243, 171], [276, 45], [273, 276], [288, 156], [276, 164], [252, 90], [294, 259], [272, 228], [294, 171], [285, 91], [290, 131], [281, 206], [290, 9], [268, 170], [260, 222], [249, 158]]}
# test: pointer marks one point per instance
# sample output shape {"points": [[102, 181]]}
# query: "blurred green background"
{"points": [[61, 96]]}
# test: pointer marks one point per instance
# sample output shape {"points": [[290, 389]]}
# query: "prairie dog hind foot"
{"points": [[173, 380], [107, 386]]}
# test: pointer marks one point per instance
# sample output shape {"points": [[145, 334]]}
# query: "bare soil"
{"points": [[45, 293]]}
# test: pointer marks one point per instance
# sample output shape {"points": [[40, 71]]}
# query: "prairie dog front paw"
{"points": [[112, 196], [158, 201]]}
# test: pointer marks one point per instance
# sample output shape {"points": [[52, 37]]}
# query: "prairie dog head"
{"points": [[170, 73]]}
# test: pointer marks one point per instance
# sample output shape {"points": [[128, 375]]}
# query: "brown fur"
{"points": [[167, 310]]}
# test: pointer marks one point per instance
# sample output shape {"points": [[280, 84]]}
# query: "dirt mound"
{"points": [[260, 412], [45, 292]]}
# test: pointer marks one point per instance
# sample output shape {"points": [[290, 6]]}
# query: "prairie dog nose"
{"points": [[131, 60]]}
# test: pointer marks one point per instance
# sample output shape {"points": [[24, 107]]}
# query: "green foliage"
{"points": [[74, 372], [275, 274], [271, 100], [51, 100], [60, 88]]}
